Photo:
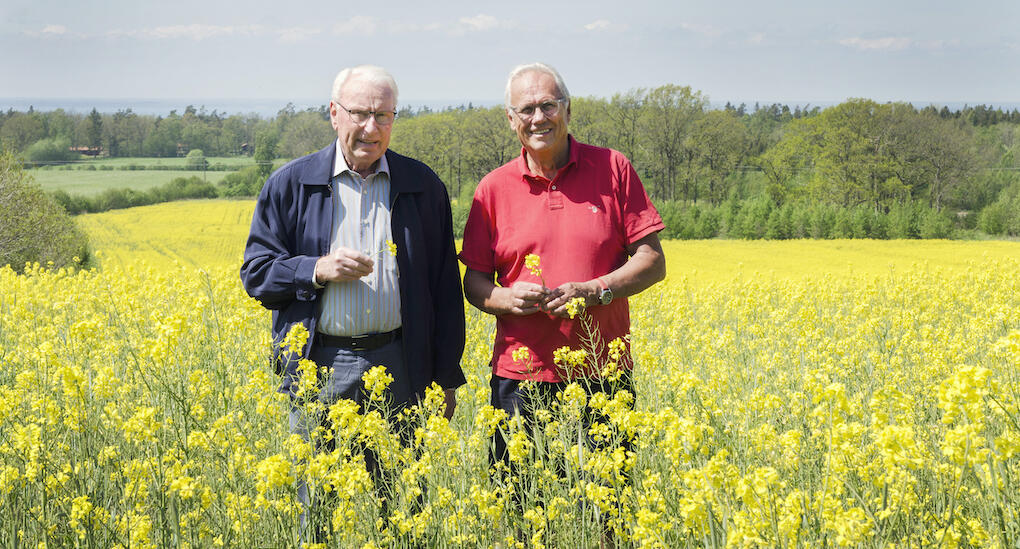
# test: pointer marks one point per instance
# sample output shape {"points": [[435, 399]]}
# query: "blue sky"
{"points": [[795, 51]]}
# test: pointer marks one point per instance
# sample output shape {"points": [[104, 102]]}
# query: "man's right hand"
{"points": [[342, 265], [524, 298]]}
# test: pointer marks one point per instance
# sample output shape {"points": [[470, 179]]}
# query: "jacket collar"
{"points": [[320, 166], [402, 177]]}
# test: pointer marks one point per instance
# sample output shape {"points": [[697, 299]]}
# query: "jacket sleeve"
{"points": [[449, 312], [274, 271]]}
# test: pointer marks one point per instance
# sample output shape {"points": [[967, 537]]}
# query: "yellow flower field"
{"points": [[789, 394]]}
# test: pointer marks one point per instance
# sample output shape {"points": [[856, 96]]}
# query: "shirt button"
{"points": [[554, 187]]}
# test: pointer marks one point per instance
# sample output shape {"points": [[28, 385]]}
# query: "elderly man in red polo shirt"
{"points": [[584, 212]]}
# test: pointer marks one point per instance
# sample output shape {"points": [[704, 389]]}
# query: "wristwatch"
{"points": [[606, 295]]}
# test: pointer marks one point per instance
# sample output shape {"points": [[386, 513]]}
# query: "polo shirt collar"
{"points": [[340, 164], [522, 160]]}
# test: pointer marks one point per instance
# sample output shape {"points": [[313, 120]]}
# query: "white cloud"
{"points": [[756, 38], [890, 43], [359, 24], [601, 25], [48, 31], [939, 44], [297, 34], [195, 32], [480, 22]]}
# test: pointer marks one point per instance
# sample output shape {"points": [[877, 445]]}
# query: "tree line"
{"points": [[859, 155]]}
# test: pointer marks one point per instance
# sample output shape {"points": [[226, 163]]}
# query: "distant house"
{"points": [[88, 151]]}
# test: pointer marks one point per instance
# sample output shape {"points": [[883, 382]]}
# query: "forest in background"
{"points": [[857, 169]]}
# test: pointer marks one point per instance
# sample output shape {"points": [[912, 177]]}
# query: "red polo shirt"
{"points": [[579, 224]]}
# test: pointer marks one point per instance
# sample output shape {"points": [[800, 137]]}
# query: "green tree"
{"points": [[50, 151], [667, 116], [94, 130], [781, 162], [33, 227], [21, 130], [304, 133], [719, 141], [196, 160], [265, 152], [489, 141], [934, 155], [165, 137]]}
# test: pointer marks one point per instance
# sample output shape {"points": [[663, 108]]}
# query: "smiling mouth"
{"points": [[541, 132]]}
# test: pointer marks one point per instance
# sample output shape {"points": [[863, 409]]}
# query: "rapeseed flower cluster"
{"points": [[138, 408]]}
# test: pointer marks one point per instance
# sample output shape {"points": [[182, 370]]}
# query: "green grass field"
{"points": [[233, 162], [88, 182], [90, 177]]}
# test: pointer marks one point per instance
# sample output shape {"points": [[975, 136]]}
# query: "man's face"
{"points": [[362, 144], [539, 133]]}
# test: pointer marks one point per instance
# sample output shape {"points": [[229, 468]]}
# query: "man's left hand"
{"points": [[556, 303]]}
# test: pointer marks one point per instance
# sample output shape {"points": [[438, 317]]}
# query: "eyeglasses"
{"points": [[382, 118], [548, 108]]}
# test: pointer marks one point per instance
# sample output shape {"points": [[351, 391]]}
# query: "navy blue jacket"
{"points": [[291, 229]]}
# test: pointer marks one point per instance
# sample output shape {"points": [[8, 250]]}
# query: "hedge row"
{"points": [[113, 199], [759, 218]]}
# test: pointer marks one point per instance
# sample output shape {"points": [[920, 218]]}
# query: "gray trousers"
{"points": [[344, 368]]}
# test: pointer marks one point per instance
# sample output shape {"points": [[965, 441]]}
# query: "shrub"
{"points": [[72, 204], [822, 220], [196, 160], [708, 224], [753, 218], [935, 224], [33, 226], [460, 209], [184, 187], [780, 223], [671, 213], [903, 221], [245, 182], [48, 151]]}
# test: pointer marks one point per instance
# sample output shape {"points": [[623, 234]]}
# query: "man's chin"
{"points": [[540, 144], [370, 155]]}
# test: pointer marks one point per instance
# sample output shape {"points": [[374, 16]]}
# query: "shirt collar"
{"points": [[340, 164], [522, 160]]}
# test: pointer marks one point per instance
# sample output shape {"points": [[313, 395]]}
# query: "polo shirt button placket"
{"points": [[555, 197]]}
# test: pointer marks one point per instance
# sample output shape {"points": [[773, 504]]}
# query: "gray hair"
{"points": [[371, 73], [535, 67]]}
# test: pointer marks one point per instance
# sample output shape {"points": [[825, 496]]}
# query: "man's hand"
{"points": [[556, 302], [450, 396], [342, 265], [523, 298]]}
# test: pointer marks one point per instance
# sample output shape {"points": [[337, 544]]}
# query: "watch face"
{"points": [[606, 297]]}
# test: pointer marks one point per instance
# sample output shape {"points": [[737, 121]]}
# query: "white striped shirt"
{"points": [[361, 221]]}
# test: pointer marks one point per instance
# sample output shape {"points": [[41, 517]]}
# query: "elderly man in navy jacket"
{"points": [[355, 242]]}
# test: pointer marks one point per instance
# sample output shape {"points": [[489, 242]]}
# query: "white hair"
{"points": [[535, 67], [371, 73]]}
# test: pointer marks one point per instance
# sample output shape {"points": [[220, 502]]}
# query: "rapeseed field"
{"points": [[788, 394]]}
